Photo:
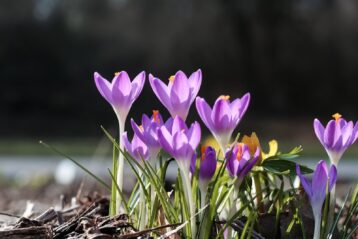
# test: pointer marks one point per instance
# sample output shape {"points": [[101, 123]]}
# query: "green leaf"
{"points": [[282, 166]]}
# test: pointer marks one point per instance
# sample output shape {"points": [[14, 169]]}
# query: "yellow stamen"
{"points": [[225, 97], [172, 78], [156, 116], [337, 116], [117, 73], [239, 151], [141, 128]]}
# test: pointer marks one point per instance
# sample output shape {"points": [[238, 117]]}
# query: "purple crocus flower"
{"points": [[207, 163], [121, 93], [240, 161], [137, 148], [224, 117], [148, 130], [317, 190], [179, 140], [336, 137], [180, 92]]}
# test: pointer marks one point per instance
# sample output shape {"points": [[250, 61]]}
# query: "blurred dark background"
{"points": [[298, 58]]}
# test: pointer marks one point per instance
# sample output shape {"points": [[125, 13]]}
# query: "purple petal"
{"points": [[204, 112], [319, 182], [146, 121], [181, 146], [121, 82], [104, 87], [305, 183], [332, 177], [193, 164], [137, 85], [329, 134], [138, 131], [161, 91], [245, 100], [194, 82], [127, 144], [347, 132], [194, 135], [180, 88], [319, 130], [208, 164], [355, 132], [221, 115], [233, 163], [178, 125], [248, 166], [165, 140]]}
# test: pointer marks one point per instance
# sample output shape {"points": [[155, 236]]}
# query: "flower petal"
{"points": [[221, 116], [178, 125], [194, 135], [305, 183], [137, 85], [319, 182], [138, 131], [332, 177], [165, 140], [127, 144], [121, 82], [245, 101], [181, 146], [204, 112], [194, 82], [319, 130], [161, 91], [329, 134], [104, 87]]}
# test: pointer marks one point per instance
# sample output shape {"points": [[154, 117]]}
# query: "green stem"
{"points": [[258, 192]]}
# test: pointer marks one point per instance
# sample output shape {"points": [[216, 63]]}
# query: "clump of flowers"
{"points": [[215, 194]]}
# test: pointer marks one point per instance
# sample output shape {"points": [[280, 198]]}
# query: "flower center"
{"points": [[203, 149], [337, 117], [156, 116], [224, 97], [239, 151], [117, 73], [172, 78]]}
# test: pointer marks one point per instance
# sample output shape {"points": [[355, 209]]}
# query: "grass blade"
{"points": [[77, 163]]}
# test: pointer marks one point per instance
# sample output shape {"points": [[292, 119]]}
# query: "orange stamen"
{"points": [[239, 152], [203, 149], [337, 116], [225, 97], [156, 116], [117, 73]]}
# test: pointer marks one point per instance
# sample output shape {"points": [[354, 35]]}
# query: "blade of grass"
{"points": [[332, 229], [77, 163], [113, 203]]}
